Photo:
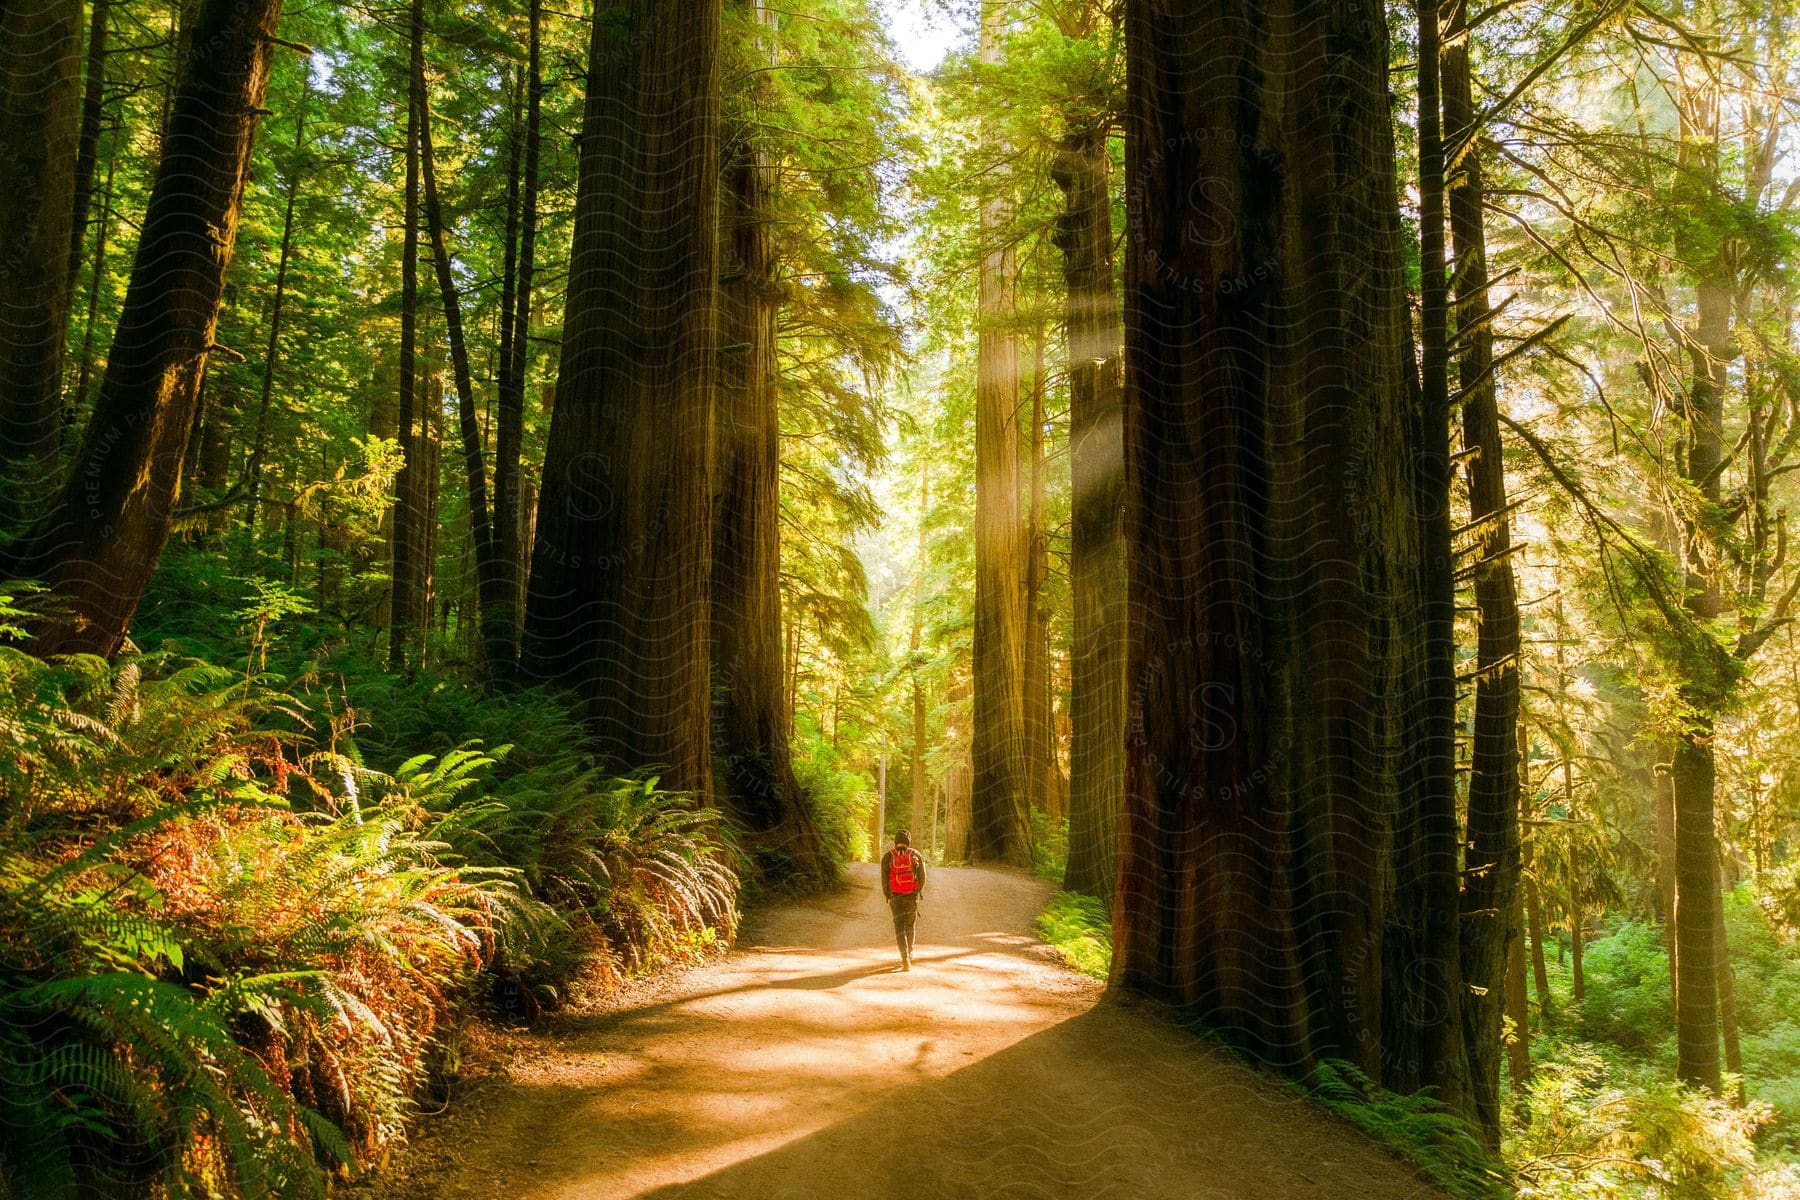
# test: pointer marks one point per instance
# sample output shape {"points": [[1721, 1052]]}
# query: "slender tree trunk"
{"points": [[491, 588], [1000, 821], [40, 49], [755, 774], [619, 604], [87, 153], [1491, 855], [921, 808], [1694, 769], [1734, 1051], [1280, 675], [259, 444], [404, 624], [1665, 877], [100, 540], [77, 400], [509, 427], [1097, 697], [1518, 1050]]}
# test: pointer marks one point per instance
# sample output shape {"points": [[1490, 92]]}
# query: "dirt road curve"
{"points": [[804, 1065]]}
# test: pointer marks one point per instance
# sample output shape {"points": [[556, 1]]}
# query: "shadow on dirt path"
{"points": [[805, 1065]]}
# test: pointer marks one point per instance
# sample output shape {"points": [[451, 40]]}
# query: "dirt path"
{"points": [[803, 1065]]}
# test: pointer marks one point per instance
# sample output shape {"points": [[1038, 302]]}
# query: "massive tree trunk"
{"points": [[493, 613], [755, 773], [99, 542], [510, 514], [40, 44], [619, 603], [404, 621], [1000, 819], [1097, 699], [1286, 698], [1491, 854]]}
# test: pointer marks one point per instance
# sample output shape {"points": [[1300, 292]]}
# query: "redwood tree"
{"points": [[99, 541], [40, 42], [1278, 476], [619, 602], [754, 771], [1000, 822], [1097, 700]]}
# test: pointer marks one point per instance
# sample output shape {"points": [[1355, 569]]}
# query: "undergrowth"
{"points": [[238, 919]]}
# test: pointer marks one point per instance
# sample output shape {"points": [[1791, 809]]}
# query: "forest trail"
{"points": [[804, 1065]]}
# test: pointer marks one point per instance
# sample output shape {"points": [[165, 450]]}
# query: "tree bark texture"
{"points": [[1000, 820], [99, 542], [619, 600], [1097, 698], [1282, 560], [40, 44]]}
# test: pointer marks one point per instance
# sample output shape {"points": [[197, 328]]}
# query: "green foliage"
{"points": [[230, 946], [1597, 1123], [1627, 1001], [1417, 1127], [1081, 931], [1049, 846]]}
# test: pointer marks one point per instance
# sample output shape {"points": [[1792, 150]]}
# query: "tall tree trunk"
{"points": [[1000, 820], [1097, 698], [40, 49], [510, 513], [76, 401], [404, 622], [260, 438], [1665, 878], [1491, 855], [99, 542], [1424, 1043], [921, 808], [1694, 768], [87, 152], [491, 588], [1518, 1050], [1280, 561], [1040, 737], [1734, 1050], [619, 604], [754, 768]]}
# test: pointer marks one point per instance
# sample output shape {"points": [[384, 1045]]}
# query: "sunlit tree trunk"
{"points": [[1284, 763], [40, 51], [619, 604], [1097, 699], [921, 805], [404, 623], [1000, 822], [1040, 735], [100, 540]]}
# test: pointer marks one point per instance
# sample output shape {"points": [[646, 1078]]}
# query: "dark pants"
{"points": [[906, 915]]}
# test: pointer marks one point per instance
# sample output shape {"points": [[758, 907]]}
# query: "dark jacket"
{"points": [[887, 869]]}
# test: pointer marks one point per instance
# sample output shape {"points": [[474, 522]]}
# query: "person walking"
{"points": [[903, 882]]}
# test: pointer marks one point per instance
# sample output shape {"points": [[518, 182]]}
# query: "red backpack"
{"points": [[902, 881]]}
